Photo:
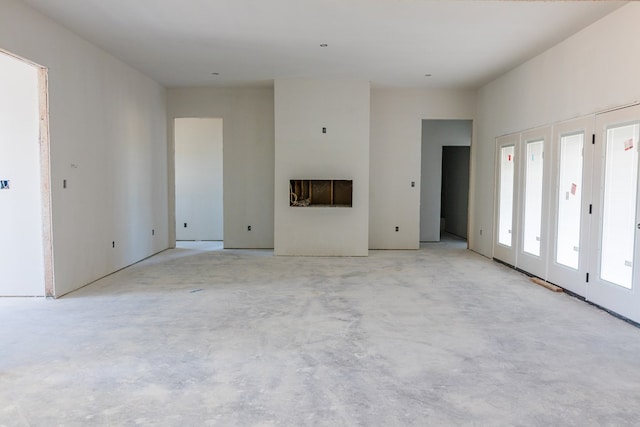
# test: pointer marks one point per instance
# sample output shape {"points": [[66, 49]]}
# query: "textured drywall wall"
{"points": [[396, 161], [248, 159], [595, 69], [303, 107], [108, 140]]}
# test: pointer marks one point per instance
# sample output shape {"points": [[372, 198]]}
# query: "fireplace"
{"points": [[321, 192]]}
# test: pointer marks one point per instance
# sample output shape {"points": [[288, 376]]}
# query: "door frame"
{"points": [[45, 172], [172, 176]]}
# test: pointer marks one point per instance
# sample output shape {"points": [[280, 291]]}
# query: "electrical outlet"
{"points": [[248, 228], [113, 244], [324, 130], [397, 228], [185, 225], [413, 183]]}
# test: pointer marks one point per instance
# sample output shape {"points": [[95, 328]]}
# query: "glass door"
{"points": [[570, 219], [506, 200], [534, 188], [613, 277]]}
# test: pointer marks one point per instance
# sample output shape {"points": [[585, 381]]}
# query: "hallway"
{"points": [[437, 336]]}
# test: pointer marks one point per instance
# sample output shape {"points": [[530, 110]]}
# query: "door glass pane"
{"points": [[619, 209], [533, 197], [506, 194], [569, 200]]}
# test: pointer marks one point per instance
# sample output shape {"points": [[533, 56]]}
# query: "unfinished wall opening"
{"points": [[321, 192], [199, 179], [26, 261], [437, 134]]}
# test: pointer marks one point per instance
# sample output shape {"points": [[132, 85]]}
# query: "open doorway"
{"points": [[199, 182], [26, 260], [454, 200], [444, 187]]}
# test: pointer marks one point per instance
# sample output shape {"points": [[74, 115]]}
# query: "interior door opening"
{"points": [[449, 211], [454, 205], [26, 264], [199, 182]]}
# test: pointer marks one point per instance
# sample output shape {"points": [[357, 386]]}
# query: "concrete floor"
{"points": [[439, 336]]}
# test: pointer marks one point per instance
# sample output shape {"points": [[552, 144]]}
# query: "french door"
{"points": [[532, 233], [613, 276], [506, 202], [570, 199], [567, 206]]}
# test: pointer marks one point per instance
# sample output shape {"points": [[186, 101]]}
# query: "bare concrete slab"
{"points": [[438, 336]]}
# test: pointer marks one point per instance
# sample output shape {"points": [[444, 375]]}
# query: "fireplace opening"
{"points": [[321, 192]]}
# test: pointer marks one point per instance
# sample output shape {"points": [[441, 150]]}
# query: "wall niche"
{"points": [[321, 192]]}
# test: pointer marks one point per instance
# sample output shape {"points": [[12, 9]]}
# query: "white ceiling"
{"points": [[389, 42]]}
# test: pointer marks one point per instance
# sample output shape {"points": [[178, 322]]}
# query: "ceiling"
{"points": [[392, 43]]}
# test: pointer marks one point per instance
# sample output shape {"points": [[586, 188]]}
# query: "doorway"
{"points": [[26, 267], [199, 179], [456, 136], [454, 200]]}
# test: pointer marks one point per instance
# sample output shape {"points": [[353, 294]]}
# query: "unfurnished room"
{"points": [[332, 213]]}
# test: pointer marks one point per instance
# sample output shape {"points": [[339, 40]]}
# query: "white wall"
{"points": [[593, 70], [248, 135], [198, 169], [302, 108], [435, 135], [396, 128], [21, 248], [108, 140]]}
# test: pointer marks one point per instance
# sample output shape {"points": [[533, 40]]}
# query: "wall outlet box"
{"points": [[5, 184]]}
